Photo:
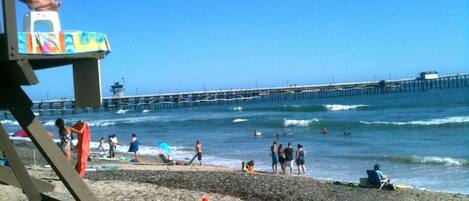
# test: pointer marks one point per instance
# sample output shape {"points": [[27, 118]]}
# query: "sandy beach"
{"points": [[152, 180]]}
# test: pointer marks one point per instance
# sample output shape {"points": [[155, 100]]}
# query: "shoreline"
{"points": [[216, 182]]}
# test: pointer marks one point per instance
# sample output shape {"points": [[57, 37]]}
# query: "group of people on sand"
{"points": [[284, 156], [113, 142], [66, 137]]}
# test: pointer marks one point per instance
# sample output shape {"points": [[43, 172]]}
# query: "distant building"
{"points": [[429, 75], [117, 89]]}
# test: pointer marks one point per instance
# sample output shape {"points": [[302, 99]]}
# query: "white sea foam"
{"points": [[101, 123], [337, 107], [50, 123], [238, 108], [177, 152], [146, 111], [301, 123], [122, 111], [239, 120], [9, 122], [447, 120]]}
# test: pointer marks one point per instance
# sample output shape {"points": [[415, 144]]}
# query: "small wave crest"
{"points": [[238, 108], [239, 120], [337, 107], [122, 111], [447, 120], [300, 123], [146, 111]]}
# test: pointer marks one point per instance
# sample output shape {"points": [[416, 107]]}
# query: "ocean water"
{"points": [[419, 139]]}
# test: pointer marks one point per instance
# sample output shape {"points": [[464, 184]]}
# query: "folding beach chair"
{"points": [[374, 180]]}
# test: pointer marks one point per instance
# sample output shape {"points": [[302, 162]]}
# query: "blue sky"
{"points": [[169, 46]]}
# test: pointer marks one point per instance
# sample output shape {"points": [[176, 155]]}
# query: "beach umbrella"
{"points": [[22, 133], [165, 147]]}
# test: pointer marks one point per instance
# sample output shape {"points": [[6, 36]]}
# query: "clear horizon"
{"points": [[167, 46]]}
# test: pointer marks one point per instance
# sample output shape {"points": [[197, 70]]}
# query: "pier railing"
{"points": [[189, 99]]}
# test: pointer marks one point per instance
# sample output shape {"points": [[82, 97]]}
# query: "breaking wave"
{"points": [[337, 107], [433, 160], [447, 120], [300, 123], [239, 120]]}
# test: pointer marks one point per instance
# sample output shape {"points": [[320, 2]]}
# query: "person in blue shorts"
{"points": [[300, 159], [274, 153]]}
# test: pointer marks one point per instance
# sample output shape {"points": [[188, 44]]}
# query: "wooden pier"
{"points": [[190, 99]]}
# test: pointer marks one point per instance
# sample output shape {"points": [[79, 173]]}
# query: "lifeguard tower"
{"points": [[117, 89], [21, 54]]}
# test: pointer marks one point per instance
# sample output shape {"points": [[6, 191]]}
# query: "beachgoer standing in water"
{"points": [[101, 144], [300, 159], [198, 149], [281, 157], [274, 152], [66, 137], [289, 158], [134, 147], [324, 131]]}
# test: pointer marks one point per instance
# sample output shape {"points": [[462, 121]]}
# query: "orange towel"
{"points": [[83, 149]]}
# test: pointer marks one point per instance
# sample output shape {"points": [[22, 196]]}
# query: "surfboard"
{"points": [[193, 158]]}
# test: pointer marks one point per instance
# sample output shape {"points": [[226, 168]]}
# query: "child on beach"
{"points": [[134, 147], [248, 167], [300, 159], [274, 153], [101, 144]]}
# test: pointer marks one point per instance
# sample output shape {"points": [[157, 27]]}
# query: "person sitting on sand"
{"points": [[134, 147], [166, 158], [101, 144], [382, 177], [42, 5], [248, 167]]}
